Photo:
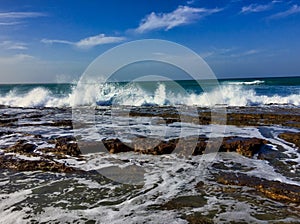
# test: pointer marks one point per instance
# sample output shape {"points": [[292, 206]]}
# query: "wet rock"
{"points": [[116, 146], [8, 121], [246, 117], [272, 189], [13, 163], [64, 123], [244, 146], [292, 137], [197, 218], [66, 145], [193, 201], [2, 133], [22, 146], [145, 146]]}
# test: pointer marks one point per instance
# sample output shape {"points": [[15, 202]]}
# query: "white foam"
{"points": [[7, 205], [255, 82], [132, 94]]}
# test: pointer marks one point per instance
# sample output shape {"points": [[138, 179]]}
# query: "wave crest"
{"points": [[132, 94]]}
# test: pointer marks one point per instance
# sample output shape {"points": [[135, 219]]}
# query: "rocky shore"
{"points": [[28, 154]]}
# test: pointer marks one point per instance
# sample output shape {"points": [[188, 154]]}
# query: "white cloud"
{"points": [[9, 23], [252, 8], [97, 40], [47, 41], [293, 10], [14, 18], [88, 42], [181, 16], [245, 53], [229, 53], [10, 45], [20, 15]]}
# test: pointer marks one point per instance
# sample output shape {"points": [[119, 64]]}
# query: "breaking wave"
{"points": [[255, 82], [131, 94]]}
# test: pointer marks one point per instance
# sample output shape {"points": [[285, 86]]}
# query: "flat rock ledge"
{"points": [[64, 147], [189, 146], [24, 156], [272, 189]]}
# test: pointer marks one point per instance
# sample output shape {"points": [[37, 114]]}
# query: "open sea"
{"points": [[121, 194]]}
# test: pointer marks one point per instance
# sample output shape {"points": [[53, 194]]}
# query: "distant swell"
{"points": [[108, 94]]}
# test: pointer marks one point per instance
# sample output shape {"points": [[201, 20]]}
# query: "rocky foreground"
{"points": [[24, 155]]}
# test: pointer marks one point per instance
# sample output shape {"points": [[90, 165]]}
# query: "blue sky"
{"points": [[54, 41]]}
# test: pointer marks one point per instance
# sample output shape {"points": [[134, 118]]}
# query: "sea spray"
{"points": [[154, 93]]}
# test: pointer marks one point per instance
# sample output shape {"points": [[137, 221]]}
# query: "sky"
{"points": [[55, 40]]}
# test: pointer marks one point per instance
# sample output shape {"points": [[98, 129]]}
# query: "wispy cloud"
{"points": [[181, 16], [217, 52], [252, 8], [229, 53], [11, 45], [9, 23], [88, 42], [292, 10], [14, 18], [20, 15], [245, 53], [16, 59]]}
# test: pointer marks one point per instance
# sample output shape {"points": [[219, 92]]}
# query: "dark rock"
{"points": [[272, 189], [2, 133], [22, 146], [163, 147], [116, 146], [8, 121], [197, 218], [292, 137], [65, 123], [64, 145], [193, 201], [13, 163], [244, 146]]}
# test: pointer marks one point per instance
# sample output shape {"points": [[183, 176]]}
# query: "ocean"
{"points": [[127, 173], [235, 92]]}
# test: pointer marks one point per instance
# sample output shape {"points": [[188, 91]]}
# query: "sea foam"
{"points": [[132, 94]]}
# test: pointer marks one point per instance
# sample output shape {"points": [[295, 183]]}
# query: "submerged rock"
{"points": [[270, 188]]}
